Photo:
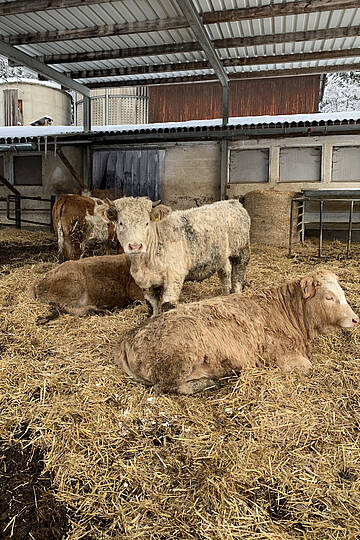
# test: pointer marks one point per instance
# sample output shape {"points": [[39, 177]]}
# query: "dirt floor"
{"points": [[87, 453]]}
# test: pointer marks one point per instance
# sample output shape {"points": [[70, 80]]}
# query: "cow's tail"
{"points": [[58, 228]]}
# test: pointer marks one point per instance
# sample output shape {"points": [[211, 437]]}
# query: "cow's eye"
{"points": [[147, 224], [330, 298], [121, 223]]}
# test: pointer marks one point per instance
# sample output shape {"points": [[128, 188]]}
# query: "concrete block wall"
{"points": [[191, 174]]}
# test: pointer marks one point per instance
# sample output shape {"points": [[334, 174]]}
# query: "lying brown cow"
{"points": [[92, 284], [187, 349], [79, 221]]}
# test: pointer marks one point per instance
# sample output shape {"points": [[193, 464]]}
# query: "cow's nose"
{"points": [[355, 320], [135, 247]]}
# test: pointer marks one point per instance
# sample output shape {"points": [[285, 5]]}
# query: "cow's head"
{"points": [[325, 302], [97, 222], [134, 219]]}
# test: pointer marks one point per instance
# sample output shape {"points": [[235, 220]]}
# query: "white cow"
{"points": [[187, 245]]}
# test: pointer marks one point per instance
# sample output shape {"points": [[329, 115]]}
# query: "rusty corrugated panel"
{"points": [[290, 95]]}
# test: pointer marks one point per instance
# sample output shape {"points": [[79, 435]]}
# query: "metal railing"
{"points": [[300, 202], [14, 210]]}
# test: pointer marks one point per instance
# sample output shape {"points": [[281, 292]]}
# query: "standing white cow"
{"points": [[187, 245]]}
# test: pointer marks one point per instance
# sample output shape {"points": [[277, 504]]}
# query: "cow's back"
{"points": [[108, 280], [212, 234]]}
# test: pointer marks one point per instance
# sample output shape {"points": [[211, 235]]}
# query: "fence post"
{"points": [[17, 212]]}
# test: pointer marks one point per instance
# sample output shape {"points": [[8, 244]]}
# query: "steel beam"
{"points": [[201, 35], [197, 26], [12, 53], [224, 168]]}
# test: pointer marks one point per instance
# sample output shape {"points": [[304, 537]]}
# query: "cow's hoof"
{"points": [[167, 306]]}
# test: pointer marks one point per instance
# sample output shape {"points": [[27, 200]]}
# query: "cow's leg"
{"points": [[294, 362], [239, 264], [54, 312], [82, 311], [172, 290], [108, 247], [61, 243], [152, 297], [225, 277], [83, 249]]}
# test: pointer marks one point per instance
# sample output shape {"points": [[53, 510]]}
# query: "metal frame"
{"points": [[197, 26], [16, 199], [300, 201]]}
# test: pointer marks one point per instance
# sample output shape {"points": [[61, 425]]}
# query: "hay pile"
{"points": [[270, 216], [267, 456]]}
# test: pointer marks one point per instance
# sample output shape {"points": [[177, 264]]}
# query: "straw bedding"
{"points": [[87, 453]]}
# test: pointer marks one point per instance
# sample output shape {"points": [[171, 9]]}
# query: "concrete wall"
{"points": [[326, 145], [39, 99], [191, 175], [191, 172]]}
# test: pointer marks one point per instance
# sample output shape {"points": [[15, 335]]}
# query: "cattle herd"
{"points": [[185, 348]]}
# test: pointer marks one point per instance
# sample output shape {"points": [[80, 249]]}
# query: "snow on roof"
{"points": [[30, 132]]}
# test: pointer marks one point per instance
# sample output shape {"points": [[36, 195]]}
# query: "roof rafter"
{"points": [[232, 76], [25, 6], [230, 15], [228, 62], [173, 48]]}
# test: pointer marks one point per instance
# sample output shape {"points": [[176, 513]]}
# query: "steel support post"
{"points": [[87, 113], [224, 168], [87, 166]]}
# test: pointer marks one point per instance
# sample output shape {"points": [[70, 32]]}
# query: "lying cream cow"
{"points": [[187, 349]]}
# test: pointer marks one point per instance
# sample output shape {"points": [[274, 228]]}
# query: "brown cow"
{"points": [[79, 221], [187, 349], [92, 284]]}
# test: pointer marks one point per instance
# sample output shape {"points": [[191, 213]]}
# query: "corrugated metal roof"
{"points": [[127, 11], [22, 134]]}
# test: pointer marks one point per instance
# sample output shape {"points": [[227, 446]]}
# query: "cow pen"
{"points": [[188, 102], [88, 453]]}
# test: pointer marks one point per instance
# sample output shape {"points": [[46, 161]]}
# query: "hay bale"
{"points": [[270, 216]]}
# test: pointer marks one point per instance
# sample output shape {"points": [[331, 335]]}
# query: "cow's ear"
{"points": [[112, 213], [308, 287], [160, 212]]}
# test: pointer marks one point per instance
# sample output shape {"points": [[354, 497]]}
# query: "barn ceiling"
{"points": [[138, 42]]}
